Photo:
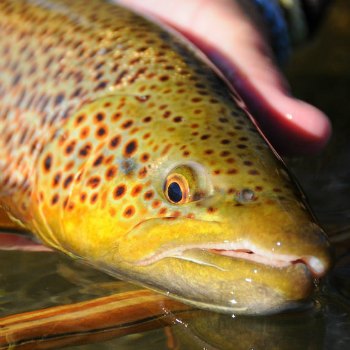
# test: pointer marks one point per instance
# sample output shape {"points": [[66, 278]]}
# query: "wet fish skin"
{"points": [[99, 110]]}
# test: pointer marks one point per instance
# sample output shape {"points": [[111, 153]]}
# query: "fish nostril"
{"points": [[244, 196]]}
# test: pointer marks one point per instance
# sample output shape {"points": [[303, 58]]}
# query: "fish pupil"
{"points": [[174, 192]]}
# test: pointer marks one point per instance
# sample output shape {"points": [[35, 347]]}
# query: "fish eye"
{"points": [[177, 189], [188, 182]]}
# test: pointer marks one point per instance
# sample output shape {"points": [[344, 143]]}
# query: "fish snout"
{"points": [[314, 250], [278, 234]]}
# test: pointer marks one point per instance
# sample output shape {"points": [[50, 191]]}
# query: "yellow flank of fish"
{"points": [[120, 146]]}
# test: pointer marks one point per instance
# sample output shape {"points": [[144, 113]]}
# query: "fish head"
{"points": [[239, 238], [189, 201]]}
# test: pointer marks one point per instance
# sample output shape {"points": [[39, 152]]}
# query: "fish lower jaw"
{"points": [[195, 253], [250, 309]]}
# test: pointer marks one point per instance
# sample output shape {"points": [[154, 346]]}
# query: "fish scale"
{"points": [[99, 110]]}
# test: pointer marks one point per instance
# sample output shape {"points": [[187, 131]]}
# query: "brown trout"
{"points": [[122, 147]]}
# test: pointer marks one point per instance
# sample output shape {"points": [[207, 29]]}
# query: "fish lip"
{"points": [[242, 250]]}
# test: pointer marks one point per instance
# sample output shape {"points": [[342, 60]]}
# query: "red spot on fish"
{"points": [[119, 191], [129, 211]]}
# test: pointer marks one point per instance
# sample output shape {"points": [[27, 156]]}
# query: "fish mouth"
{"points": [[232, 277], [208, 265], [244, 251]]}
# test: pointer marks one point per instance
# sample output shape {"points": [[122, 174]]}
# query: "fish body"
{"points": [[120, 146]]}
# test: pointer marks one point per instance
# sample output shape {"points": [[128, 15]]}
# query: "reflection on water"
{"points": [[324, 326], [320, 74]]}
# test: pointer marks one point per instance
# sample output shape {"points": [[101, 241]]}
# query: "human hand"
{"points": [[238, 45]]}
